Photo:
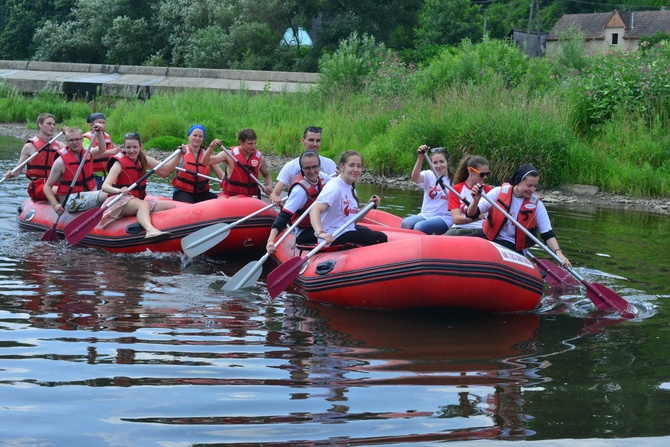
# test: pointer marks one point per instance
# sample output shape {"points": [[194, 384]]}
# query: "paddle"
{"points": [[601, 296], [27, 160], [281, 277], [553, 274], [249, 274], [557, 276], [80, 226], [179, 168], [202, 240], [50, 234]]}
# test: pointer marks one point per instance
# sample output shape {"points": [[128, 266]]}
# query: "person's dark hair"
{"points": [[95, 116], [312, 129], [524, 171], [346, 155], [246, 135], [142, 156], [469, 161]]}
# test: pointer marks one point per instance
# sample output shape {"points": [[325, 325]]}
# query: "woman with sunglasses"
{"points": [[519, 200], [434, 217], [125, 169], [472, 170]]}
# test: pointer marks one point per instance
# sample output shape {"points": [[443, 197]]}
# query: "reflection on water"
{"points": [[145, 350]]}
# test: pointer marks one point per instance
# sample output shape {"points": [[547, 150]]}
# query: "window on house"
{"points": [[615, 38]]}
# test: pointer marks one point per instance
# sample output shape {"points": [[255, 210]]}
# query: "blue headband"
{"points": [[197, 126]]}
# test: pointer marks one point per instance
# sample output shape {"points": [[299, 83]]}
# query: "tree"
{"points": [[448, 22]]}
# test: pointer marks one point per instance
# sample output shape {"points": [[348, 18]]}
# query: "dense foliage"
{"points": [[248, 34]]}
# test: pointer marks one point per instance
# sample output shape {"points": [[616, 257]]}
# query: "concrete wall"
{"points": [[138, 81]]}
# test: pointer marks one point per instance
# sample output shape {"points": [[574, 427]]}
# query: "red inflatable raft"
{"points": [[413, 270], [125, 235]]}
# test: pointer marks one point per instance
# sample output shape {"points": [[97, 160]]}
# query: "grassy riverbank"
{"points": [[483, 99]]}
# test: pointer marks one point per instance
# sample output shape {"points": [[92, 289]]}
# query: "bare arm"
{"points": [[416, 172], [56, 173], [315, 219], [263, 169], [276, 193]]}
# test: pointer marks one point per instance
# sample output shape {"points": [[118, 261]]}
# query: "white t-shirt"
{"points": [[508, 231], [291, 169], [466, 193], [298, 197], [434, 198], [342, 205]]}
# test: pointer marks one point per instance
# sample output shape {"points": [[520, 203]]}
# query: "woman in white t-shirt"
{"points": [[338, 201], [434, 217]]}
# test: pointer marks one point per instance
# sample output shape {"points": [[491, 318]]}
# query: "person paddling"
{"points": [[125, 169], [311, 141], [301, 194], [471, 170], [190, 187], [243, 170], [39, 167], [63, 172], [519, 200], [338, 202], [98, 120], [434, 217]]}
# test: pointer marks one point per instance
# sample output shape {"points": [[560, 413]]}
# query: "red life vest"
{"points": [[99, 164], [131, 171], [495, 220], [240, 182], [85, 181], [40, 166], [312, 190], [188, 182]]}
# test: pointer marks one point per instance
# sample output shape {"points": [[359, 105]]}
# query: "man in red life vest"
{"points": [[100, 161], [247, 162], [63, 171], [37, 169], [301, 194]]}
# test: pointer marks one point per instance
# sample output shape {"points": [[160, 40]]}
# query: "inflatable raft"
{"points": [[125, 235], [413, 270]]}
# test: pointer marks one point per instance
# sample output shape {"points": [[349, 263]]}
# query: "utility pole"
{"points": [[534, 9]]}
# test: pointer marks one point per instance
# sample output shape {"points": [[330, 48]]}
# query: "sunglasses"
{"points": [[311, 168], [313, 129], [131, 136], [481, 174], [438, 150]]}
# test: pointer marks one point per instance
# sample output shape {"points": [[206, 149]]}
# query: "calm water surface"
{"points": [[145, 350]]}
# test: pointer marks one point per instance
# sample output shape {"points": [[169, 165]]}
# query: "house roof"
{"points": [[635, 23]]}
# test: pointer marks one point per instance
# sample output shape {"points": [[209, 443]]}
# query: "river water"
{"points": [[146, 350]]}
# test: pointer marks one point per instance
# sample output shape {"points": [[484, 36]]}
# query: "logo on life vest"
{"points": [[254, 163], [530, 206]]}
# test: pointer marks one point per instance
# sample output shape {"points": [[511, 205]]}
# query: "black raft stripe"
{"points": [[460, 269]]}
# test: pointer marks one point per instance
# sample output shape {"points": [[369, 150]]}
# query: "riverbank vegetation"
{"points": [[595, 119]]}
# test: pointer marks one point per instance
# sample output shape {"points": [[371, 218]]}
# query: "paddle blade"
{"points": [[555, 276], [202, 240], [246, 276], [80, 226], [50, 235], [604, 298], [282, 277]]}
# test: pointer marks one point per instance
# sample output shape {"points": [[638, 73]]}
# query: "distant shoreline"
{"points": [[564, 196]]}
